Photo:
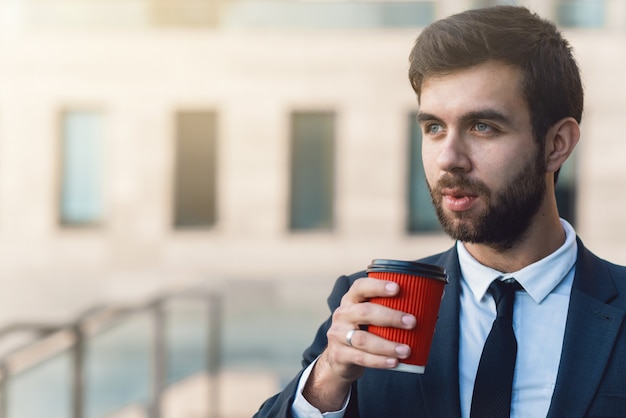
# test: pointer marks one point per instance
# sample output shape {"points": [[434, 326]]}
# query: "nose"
{"points": [[452, 154]]}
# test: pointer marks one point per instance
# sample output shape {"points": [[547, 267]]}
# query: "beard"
{"points": [[509, 212]]}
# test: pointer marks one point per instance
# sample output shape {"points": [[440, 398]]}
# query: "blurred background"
{"points": [[181, 181]]}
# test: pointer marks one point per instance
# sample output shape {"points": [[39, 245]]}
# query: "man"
{"points": [[500, 102]]}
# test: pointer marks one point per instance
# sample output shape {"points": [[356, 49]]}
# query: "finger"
{"points": [[373, 344], [366, 288], [367, 313], [365, 359], [369, 350]]}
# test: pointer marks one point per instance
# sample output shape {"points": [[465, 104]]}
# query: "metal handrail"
{"points": [[72, 336], [40, 328]]}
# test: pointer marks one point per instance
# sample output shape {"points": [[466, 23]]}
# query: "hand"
{"points": [[341, 364]]}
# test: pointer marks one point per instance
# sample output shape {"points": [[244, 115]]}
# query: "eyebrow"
{"points": [[486, 114], [423, 117]]}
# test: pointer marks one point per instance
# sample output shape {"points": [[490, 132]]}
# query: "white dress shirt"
{"points": [[539, 317]]}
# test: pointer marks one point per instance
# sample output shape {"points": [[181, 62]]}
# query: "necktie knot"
{"points": [[503, 293]]}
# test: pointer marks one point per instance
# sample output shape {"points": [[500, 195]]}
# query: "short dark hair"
{"points": [[551, 80]]}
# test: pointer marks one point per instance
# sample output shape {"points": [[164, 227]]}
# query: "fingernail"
{"points": [[391, 287], [408, 321], [391, 362], [402, 350]]}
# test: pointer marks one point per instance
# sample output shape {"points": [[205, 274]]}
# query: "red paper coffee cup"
{"points": [[421, 289]]}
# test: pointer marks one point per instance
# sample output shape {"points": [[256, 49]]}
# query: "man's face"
{"points": [[485, 171]]}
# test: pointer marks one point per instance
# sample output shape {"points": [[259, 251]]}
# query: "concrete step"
{"points": [[239, 394]]}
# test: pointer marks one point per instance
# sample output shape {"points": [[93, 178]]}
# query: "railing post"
{"points": [[214, 354], [78, 371], [159, 359], [4, 386]]}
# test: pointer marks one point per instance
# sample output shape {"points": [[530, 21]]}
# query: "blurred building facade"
{"points": [[151, 144]]}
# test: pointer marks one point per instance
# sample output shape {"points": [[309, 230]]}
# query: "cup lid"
{"points": [[408, 267]]}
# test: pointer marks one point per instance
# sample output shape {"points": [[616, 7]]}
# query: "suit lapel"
{"points": [[440, 382], [590, 333]]}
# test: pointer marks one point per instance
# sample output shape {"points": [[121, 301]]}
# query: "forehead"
{"points": [[491, 85]]}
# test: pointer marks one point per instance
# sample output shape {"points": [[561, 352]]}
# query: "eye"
{"points": [[482, 127], [433, 128]]}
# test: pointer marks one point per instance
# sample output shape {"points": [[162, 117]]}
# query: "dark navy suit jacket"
{"points": [[591, 381]]}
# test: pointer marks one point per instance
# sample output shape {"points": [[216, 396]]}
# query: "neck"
{"points": [[544, 236]]}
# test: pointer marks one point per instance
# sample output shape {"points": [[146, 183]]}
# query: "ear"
{"points": [[561, 140]]}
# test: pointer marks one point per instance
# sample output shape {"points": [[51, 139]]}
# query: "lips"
{"points": [[458, 200]]}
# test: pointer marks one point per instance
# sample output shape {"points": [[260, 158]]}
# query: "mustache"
{"points": [[455, 181]]}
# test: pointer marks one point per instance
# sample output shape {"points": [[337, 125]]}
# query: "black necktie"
{"points": [[494, 379]]}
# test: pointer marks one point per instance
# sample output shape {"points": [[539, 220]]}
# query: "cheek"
{"points": [[429, 162], [429, 155], [497, 173]]}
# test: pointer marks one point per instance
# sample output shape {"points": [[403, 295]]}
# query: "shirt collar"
{"points": [[537, 279]]}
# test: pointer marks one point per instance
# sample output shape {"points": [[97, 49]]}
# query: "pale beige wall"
{"points": [[253, 79], [139, 79], [602, 176]]}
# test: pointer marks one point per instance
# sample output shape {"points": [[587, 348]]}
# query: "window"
{"points": [[184, 13], [478, 4], [312, 170], [421, 214], [333, 14], [566, 190], [195, 169], [581, 13], [82, 168]]}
